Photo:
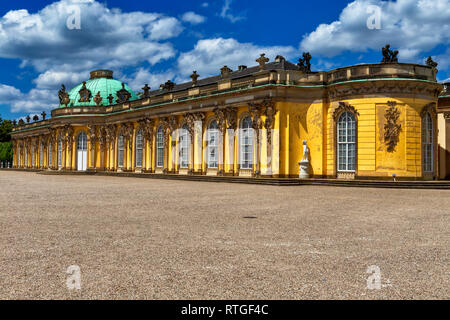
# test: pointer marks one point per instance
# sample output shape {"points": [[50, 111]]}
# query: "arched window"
{"points": [[213, 135], [160, 148], [184, 147], [427, 142], [246, 144], [50, 160], [26, 156], [82, 151], [346, 142], [120, 147], [59, 153], [139, 148]]}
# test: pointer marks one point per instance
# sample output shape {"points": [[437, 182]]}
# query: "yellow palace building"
{"points": [[276, 119]]}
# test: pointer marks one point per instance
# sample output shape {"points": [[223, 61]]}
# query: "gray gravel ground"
{"points": [[160, 239]]}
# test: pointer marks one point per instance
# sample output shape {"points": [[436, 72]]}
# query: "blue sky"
{"points": [[154, 41]]}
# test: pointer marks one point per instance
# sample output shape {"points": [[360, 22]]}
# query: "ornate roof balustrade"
{"points": [[278, 73]]}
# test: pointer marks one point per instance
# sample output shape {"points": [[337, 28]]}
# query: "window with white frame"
{"points": [[346, 142], [184, 147], [59, 152], [246, 144], [139, 148], [427, 142], [213, 146], [160, 148], [121, 149]]}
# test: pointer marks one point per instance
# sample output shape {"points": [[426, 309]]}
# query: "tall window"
{"points": [[213, 135], [427, 142], [160, 148], [346, 142], [120, 148], [18, 156], [26, 156], [59, 152], [50, 162], [139, 148], [184, 147], [246, 141]]}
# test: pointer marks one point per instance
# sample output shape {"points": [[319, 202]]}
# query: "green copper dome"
{"points": [[100, 81]]}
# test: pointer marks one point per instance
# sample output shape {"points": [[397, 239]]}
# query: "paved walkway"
{"points": [[164, 239]]}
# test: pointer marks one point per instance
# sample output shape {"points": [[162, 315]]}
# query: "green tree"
{"points": [[6, 151]]}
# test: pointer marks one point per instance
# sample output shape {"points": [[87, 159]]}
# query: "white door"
{"points": [[82, 152]]}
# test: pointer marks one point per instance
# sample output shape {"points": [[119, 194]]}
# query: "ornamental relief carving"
{"points": [[447, 115], [343, 107], [147, 125], [220, 118], [92, 135], [231, 117], [371, 88], [392, 128]]}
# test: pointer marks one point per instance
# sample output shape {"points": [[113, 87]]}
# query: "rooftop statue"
{"points": [[305, 64], [63, 96], [389, 56], [430, 62]]}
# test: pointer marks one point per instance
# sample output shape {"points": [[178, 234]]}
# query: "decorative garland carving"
{"points": [[147, 126], [344, 107], [231, 116], [63, 96], [220, 118], [447, 115], [339, 92], [92, 129], [270, 113], [85, 94], [392, 129], [101, 137], [110, 133]]}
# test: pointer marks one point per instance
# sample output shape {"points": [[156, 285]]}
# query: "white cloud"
{"points": [[36, 100], [108, 38], [43, 40], [209, 55], [8, 93], [142, 76], [165, 28], [205, 4], [226, 12], [412, 26], [193, 18]]}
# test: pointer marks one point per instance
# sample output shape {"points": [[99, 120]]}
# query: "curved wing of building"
{"points": [[276, 119]]}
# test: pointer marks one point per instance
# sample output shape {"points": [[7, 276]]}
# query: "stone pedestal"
{"points": [[304, 169]]}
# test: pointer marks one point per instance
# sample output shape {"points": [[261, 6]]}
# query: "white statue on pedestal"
{"points": [[304, 164]]}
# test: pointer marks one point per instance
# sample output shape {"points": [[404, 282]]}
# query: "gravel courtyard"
{"points": [[159, 239]]}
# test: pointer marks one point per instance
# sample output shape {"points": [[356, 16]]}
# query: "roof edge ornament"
{"points": [[389, 56]]}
